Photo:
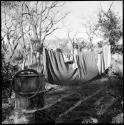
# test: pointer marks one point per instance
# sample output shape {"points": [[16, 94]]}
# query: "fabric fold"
{"points": [[60, 72]]}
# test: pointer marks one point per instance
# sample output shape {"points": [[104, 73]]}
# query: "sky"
{"points": [[80, 12]]}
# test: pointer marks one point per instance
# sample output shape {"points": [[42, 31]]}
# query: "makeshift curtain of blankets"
{"points": [[88, 66]]}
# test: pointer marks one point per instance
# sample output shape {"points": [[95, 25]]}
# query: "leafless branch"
{"points": [[15, 47], [2, 37], [111, 5], [90, 30], [108, 10]]}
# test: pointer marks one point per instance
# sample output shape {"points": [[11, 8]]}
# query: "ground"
{"points": [[99, 101], [103, 106]]}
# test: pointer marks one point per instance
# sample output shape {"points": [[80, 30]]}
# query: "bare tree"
{"points": [[35, 21], [77, 43], [43, 19], [10, 37], [91, 30]]}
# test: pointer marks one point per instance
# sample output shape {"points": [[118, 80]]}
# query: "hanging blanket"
{"points": [[87, 64], [107, 55], [104, 59], [100, 63], [59, 72]]}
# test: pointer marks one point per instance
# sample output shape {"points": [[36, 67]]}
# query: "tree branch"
{"points": [[14, 48]]}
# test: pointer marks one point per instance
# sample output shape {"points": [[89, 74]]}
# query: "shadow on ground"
{"points": [[103, 106], [96, 101]]}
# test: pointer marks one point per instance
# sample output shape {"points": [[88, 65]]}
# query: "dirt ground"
{"points": [[94, 102]]}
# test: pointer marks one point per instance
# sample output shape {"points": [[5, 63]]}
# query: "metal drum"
{"points": [[28, 86]]}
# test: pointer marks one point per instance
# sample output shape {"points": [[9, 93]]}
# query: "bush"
{"points": [[117, 49], [7, 73]]}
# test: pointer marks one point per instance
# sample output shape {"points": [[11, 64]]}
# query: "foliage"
{"points": [[7, 73], [18, 57], [10, 4], [80, 45], [59, 50], [117, 49], [100, 44], [109, 24], [63, 46]]}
